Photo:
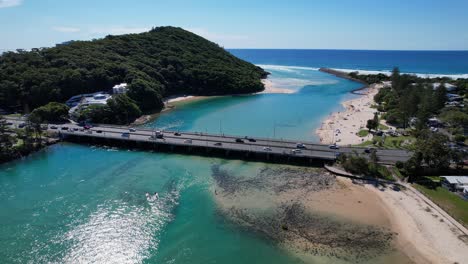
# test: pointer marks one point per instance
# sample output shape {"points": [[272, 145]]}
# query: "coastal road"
{"points": [[227, 142]]}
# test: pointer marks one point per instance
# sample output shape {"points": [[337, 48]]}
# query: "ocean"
{"points": [[92, 204]]}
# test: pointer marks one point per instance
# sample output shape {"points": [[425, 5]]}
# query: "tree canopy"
{"points": [[162, 62]]}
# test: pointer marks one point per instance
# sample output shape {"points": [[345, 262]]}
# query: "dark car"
{"points": [[99, 131], [369, 150], [239, 140], [177, 134], [53, 127], [64, 128], [252, 140], [21, 125], [87, 127], [218, 144]]}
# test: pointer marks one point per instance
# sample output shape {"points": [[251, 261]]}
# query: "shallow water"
{"points": [[291, 116]]}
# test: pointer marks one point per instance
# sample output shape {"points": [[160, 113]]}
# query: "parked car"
{"points": [[53, 127], [218, 144], [239, 140], [267, 149], [64, 128], [132, 130], [177, 134], [75, 129]]}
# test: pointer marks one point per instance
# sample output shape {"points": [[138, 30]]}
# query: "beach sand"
{"points": [[270, 88], [342, 127]]}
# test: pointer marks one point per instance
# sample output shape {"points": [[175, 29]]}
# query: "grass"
{"points": [[450, 202], [384, 173], [398, 173], [363, 132], [383, 127], [389, 143]]}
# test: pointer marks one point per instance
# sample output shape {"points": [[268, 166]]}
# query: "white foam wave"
{"points": [[422, 75], [285, 68], [296, 83]]}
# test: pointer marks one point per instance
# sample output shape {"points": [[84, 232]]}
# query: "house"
{"points": [[455, 183], [454, 97], [119, 88], [465, 192], [75, 100], [449, 87], [87, 100]]}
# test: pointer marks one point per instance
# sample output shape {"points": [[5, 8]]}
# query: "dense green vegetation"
{"points": [[51, 112], [450, 202], [19, 142], [162, 62], [120, 109], [359, 165]]}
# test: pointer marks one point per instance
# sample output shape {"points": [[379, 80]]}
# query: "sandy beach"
{"points": [[270, 88], [342, 127]]}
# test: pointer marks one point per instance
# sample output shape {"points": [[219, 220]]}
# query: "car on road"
{"points": [[239, 140], [334, 146], [125, 134], [369, 150], [267, 149], [9, 123], [250, 139], [87, 127], [189, 141], [300, 146], [159, 134], [75, 129], [21, 125], [99, 131], [132, 130], [177, 134], [218, 144], [64, 128], [53, 127], [296, 151]]}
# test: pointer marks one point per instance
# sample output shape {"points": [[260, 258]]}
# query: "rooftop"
{"points": [[462, 180]]}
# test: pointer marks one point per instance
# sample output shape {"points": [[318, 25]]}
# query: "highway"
{"points": [[225, 142]]}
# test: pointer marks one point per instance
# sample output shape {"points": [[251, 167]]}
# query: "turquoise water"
{"points": [[76, 204], [292, 116]]}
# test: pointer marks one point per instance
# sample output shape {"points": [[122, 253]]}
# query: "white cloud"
{"points": [[118, 30], [217, 37], [66, 29], [10, 3]]}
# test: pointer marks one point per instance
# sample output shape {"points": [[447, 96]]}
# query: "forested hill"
{"points": [[162, 62]]}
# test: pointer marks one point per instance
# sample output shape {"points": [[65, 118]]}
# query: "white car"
{"points": [[132, 130], [334, 146], [189, 141], [300, 146], [296, 151]]}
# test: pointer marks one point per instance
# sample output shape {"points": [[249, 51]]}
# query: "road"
{"points": [[227, 142]]}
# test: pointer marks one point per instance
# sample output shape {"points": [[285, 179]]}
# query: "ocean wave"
{"points": [[296, 83], [422, 75], [285, 68]]}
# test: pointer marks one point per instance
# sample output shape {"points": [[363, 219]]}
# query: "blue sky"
{"points": [[319, 24]]}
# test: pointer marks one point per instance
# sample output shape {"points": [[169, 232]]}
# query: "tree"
{"points": [[433, 149], [51, 112], [146, 94], [123, 108], [6, 140], [373, 123], [440, 97]]}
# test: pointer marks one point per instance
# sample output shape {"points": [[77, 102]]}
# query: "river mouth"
{"points": [[279, 204]]}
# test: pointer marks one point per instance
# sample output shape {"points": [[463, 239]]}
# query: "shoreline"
{"points": [[342, 127]]}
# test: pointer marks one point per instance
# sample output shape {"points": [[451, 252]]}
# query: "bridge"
{"points": [[198, 143]]}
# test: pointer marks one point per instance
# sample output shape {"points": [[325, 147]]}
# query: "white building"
{"points": [[87, 100], [455, 183], [448, 86], [119, 88]]}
